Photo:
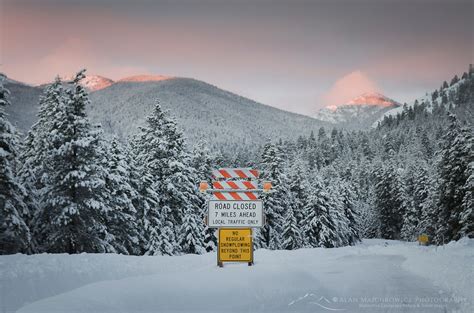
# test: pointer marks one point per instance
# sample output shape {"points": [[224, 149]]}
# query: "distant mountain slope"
{"points": [[96, 82], [228, 122], [444, 96], [144, 78], [24, 98], [360, 112]]}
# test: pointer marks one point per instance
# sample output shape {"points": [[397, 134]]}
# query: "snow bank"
{"points": [[451, 267], [305, 280], [28, 278]]}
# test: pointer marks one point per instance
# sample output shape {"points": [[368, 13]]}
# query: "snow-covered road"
{"points": [[376, 276]]}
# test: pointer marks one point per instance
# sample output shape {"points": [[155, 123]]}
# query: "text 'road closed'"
{"points": [[235, 213]]}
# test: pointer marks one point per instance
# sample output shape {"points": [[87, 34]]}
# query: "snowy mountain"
{"points": [[444, 96], [360, 112], [90, 82], [144, 78], [225, 120], [24, 99], [96, 82]]}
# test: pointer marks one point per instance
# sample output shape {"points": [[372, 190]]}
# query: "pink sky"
{"points": [[292, 55]]}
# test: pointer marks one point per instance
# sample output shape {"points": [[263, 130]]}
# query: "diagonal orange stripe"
{"points": [[249, 185], [219, 196], [235, 195], [240, 173], [233, 185], [251, 195], [254, 173], [217, 185], [225, 174]]}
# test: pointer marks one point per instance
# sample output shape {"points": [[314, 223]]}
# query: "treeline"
{"points": [[413, 174], [67, 188]]}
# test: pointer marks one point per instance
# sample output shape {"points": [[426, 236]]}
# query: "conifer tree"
{"points": [[454, 170], [36, 146], [160, 148], [319, 228], [276, 201], [298, 183], [467, 215], [389, 199], [149, 216], [71, 217], [414, 211], [291, 236], [349, 212], [202, 162], [122, 214], [191, 236], [369, 217], [14, 231], [454, 80]]}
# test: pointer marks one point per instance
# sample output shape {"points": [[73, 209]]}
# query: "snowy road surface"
{"points": [[376, 276]]}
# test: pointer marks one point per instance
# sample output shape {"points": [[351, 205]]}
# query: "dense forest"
{"points": [[65, 187]]}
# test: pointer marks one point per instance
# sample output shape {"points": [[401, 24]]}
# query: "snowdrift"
{"points": [[374, 276]]}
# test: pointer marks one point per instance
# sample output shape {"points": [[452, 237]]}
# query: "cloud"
{"points": [[348, 87]]}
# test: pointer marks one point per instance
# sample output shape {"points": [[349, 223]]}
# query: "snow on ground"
{"points": [[375, 276]]}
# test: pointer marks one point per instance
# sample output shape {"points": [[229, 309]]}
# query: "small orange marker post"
{"points": [[267, 186], [203, 186]]}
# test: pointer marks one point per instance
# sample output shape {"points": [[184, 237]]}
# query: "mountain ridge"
{"points": [[230, 123], [359, 112]]}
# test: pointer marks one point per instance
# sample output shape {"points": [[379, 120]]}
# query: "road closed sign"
{"points": [[235, 213], [235, 245]]}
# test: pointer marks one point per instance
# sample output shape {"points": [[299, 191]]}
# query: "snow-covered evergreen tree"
{"points": [[32, 163], [298, 183], [291, 237], [37, 144], [454, 169], [71, 217], [390, 199], [149, 216], [191, 235], [320, 230], [414, 211], [202, 162], [347, 199], [160, 148], [121, 218], [369, 219], [276, 202], [467, 214], [14, 231]]}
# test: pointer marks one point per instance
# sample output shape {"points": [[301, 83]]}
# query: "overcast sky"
{"points": [[295, 55]]}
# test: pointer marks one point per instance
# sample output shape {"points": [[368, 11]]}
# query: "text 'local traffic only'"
{"points": [[235, 213]]}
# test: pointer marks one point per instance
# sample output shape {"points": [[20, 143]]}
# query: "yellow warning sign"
{"points": [[235, 245], [423, 239]]}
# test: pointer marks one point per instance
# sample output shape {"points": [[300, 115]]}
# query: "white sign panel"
{"points": [[235, 213]]}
